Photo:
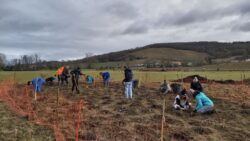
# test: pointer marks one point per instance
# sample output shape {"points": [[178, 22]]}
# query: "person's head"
{"points": [[183, 94], [191, 92], [195, 80], [28, 83]]}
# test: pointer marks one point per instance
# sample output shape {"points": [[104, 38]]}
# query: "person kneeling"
{"points": [[203, 103], [181, 101]]}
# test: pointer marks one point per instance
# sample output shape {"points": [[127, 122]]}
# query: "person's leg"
{"points": [[62, 80], [177, 107], [205, 109], [104, 83], [38, 89], [130, 90], [107, 83], [73, 84], [126, 90], [59, 79], [77, 89], [66, 80]]}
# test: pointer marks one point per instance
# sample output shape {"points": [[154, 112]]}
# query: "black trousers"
{"points": [[75, 84]]}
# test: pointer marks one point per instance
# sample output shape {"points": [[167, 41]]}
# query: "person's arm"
{"points": [[201, 88], [80, 73], [191, 85], [198, 103], [178, 101]]}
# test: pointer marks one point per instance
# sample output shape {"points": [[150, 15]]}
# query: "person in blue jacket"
{"points": [[203, 103], [89, 80], [106, 78], [37, 84]]}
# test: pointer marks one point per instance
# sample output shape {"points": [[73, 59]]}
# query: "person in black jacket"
{"points": [[65, 75], [128, 82], [75, 75], [196, 85]]}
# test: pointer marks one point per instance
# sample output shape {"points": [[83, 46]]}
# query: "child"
{"points": [[181, 101], [89, 80]]}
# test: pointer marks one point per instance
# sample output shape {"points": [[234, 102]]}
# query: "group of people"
{"points": [[63, 74], [203, 103]]}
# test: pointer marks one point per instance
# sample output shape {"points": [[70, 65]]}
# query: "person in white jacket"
{"points": [[181, 101]]}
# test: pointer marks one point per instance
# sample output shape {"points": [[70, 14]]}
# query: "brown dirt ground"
{"points": [[108, 116]]}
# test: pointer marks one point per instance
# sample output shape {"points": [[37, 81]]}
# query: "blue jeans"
{"points": [[106, 83], [205, 109], [128, 89]]}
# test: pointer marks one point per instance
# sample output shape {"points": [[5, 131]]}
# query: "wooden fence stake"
{"points": [[57, 99], [163, 119]]}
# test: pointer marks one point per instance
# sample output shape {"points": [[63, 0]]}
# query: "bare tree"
{"points": [[89, 54], [2, 60]]}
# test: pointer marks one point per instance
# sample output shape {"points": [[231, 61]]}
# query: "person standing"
{"points": [[65, 75], [75, 75], [59, 74], [128, 82]]}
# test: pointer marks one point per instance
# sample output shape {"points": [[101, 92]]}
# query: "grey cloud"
{"points": [[201, 13], [62, 29], [136, 28], [244, 27], [121, 10]]}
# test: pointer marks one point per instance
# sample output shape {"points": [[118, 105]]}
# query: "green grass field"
{"points": [[152, 76]]}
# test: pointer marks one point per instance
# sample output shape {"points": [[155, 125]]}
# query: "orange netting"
{"points": [[51, 110]]}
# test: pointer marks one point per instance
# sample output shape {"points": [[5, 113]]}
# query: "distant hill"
{"points": [[165, 55], [194, 53]]}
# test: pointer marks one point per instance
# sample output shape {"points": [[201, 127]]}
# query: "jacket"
{"points": [[76, 73], [37, 83], [89, 79], [105, 76], [202, 100], [60, 70], [128, 75]]}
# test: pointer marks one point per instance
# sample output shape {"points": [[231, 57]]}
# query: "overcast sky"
{"points": [[67, 29]]}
